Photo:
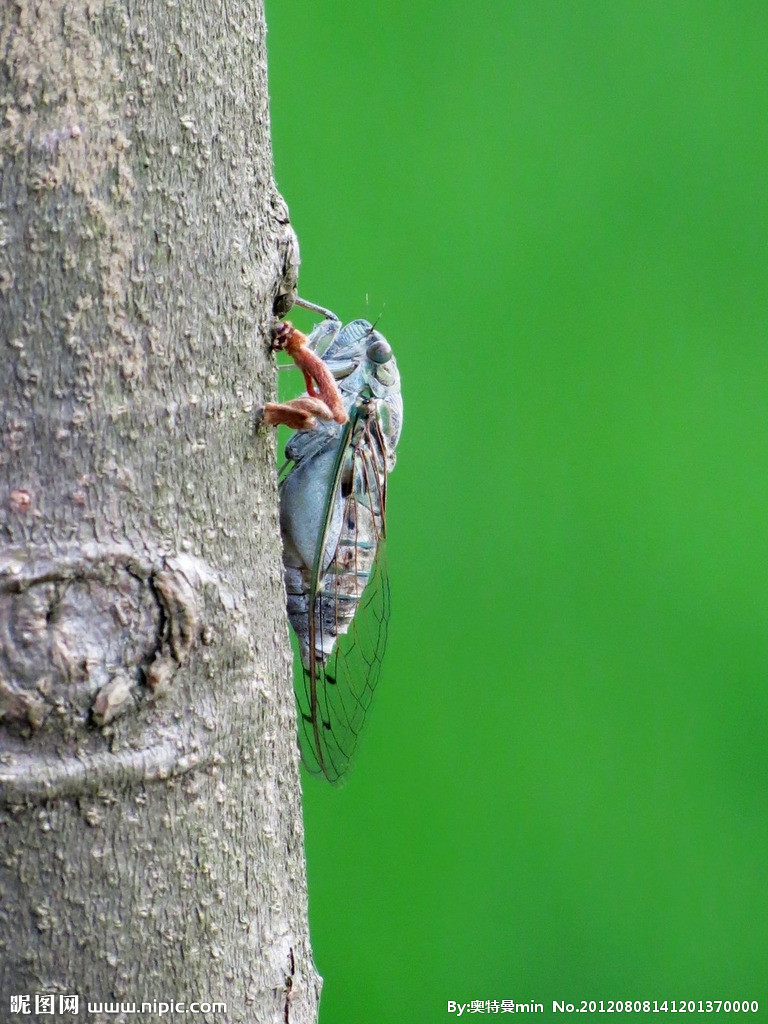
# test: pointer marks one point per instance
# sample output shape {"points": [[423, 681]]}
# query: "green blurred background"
{"points": [[560, 211]]}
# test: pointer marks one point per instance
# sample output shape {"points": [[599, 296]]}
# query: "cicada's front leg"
{"points": [[322, 400]]}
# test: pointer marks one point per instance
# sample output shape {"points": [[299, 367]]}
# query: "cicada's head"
{"points": [[362, 358], [381, 365], [376, 383]]}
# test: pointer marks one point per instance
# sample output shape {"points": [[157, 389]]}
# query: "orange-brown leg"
{"points": [[298, 414], [292, 341]]}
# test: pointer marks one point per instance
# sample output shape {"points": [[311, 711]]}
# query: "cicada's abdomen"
{"points": [[346, 578]]}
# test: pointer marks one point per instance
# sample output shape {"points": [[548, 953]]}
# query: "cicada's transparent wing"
{"points": [[333, 698], [350, 602]]}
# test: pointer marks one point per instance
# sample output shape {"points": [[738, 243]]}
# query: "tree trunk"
{"points": [[151, 847]]}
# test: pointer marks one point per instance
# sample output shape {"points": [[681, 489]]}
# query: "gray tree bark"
{"points": [[151, 845]]}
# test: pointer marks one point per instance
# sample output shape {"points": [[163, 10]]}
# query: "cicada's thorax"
{"points": [[334, 496]]}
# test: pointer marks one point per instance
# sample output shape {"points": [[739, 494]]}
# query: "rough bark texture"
{"points": [[151, 845]]}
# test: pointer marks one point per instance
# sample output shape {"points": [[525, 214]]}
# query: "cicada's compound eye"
{"points": [[379, 351]]}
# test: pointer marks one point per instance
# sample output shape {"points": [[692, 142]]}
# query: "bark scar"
{"points": [[289, 986], [78, 634]]}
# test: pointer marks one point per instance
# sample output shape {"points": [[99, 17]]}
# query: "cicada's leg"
{"points": [[314, 308], [319, 379], [298, 414]]}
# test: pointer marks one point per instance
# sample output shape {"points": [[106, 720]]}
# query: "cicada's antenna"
{"points": [[381, 314], [314, 308]]}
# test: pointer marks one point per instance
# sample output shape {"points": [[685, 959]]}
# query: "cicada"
{"points": [[333, 498]]}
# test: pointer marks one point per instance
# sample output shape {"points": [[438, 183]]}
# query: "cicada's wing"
{"points": [[335, 696], [350, 603]]}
